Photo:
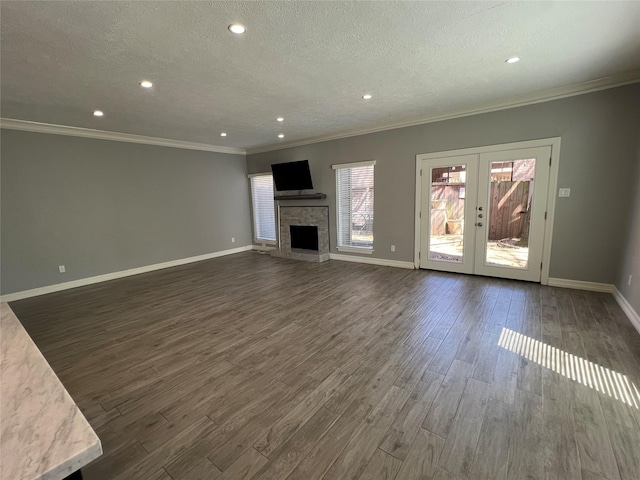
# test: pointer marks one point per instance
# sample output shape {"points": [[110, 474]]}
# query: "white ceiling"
{"points": [[309, 62]]}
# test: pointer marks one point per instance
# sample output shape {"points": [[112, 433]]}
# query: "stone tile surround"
{"points": [[317, 216]]}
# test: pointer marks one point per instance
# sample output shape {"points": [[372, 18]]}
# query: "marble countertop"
{"points": [[43, 434]]}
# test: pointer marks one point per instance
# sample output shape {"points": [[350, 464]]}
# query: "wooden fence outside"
{"points": [[450, 195], [506, 201]]}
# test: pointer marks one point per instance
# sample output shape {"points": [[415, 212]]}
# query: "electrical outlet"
{"points": [[564, 192], [629, 282], [61, 269], [233, 239], [393, 248]]}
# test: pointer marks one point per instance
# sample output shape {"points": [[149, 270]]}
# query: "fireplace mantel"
{"points": [[302, 196]]}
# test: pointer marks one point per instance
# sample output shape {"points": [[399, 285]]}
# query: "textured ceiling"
{"points": [[309, 62]]}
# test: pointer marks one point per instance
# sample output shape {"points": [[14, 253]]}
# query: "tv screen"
{"points": [[292, 176]]}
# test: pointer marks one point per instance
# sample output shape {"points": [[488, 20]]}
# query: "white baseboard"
{"points": [[10, 297], [627, 309], [371, 261], [580, 285], [633, 316]]}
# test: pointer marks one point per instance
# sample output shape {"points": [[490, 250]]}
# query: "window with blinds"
{"points": [[354, 189], [264, 217]]}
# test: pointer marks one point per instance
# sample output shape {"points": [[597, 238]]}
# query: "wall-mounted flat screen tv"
{"points": [[292, 176]]}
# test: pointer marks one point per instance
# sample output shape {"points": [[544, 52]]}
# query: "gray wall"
{"points": [[630, 264], [100, 206], [599, 141]]}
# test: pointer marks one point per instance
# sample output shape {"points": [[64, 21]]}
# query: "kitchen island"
{"points": [[43, 434]]}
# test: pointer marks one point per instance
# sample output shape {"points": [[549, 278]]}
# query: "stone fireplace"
{"points": [[303, 233]]}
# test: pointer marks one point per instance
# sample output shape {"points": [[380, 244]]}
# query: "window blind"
{"points": [[264, 218], [354, 186]]}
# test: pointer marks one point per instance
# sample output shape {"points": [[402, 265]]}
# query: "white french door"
{"points": [[447, 238], [484, 213]]}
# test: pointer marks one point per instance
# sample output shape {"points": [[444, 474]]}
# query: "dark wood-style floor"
{"points": [[251, 367]]}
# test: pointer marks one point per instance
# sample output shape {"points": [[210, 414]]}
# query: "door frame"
{"points": [[553, 142]]}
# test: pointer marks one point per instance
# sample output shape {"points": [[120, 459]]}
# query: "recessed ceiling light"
{"points": [[513, 60], [281, 135], [146, 84], [237, 28], [280, 119], [223, 134], [366, 96], [98, 113]]}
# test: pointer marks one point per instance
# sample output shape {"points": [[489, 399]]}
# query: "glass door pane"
{"points": [[448, 196], [509, 212]]}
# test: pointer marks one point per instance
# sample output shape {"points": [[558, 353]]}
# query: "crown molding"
{"points": [[514, 102], [26, 126]]}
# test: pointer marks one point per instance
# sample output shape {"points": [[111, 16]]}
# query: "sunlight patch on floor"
{"points": [[583, 371]]}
